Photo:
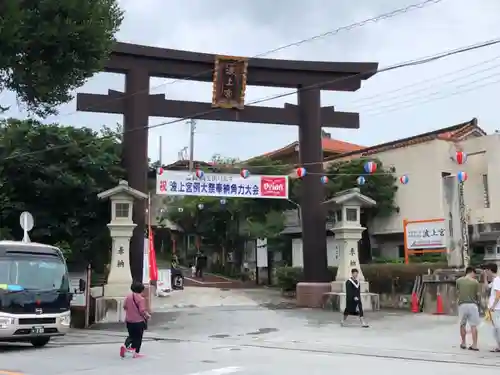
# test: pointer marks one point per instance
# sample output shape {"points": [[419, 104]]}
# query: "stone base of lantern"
{"points": [[311, 294], [110, 310], [335, 299]]}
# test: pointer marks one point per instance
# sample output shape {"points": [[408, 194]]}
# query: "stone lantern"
{"points": [[121, 227]]}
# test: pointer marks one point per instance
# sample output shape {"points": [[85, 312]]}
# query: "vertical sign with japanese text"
{"points": [[120, 262], [229, 85]]}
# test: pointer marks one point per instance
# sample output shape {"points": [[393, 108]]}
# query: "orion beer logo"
{"points": [[273, 186]]}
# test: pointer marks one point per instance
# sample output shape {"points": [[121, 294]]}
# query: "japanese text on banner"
{"points": [[223, 185]]}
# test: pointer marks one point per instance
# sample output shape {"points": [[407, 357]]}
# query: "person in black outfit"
{"points": [[201, 263], [353, 299]]}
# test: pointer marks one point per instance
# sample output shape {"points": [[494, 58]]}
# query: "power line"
{"points": [[416, 97], [377, 109], [445, 96], [380, 17], [416, 62], [412, 85]]}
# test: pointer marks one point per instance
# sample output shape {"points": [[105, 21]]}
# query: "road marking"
{"points": [[219, 371], [207, 282]]}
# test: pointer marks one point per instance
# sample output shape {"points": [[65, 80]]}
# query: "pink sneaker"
{"points": [[122, 351], [138, 355]]}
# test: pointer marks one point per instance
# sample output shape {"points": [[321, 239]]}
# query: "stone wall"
{"points": [[395, 301]]}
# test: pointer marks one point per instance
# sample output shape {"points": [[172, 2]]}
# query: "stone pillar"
{"points": [[120, 277], [347, 242], [451, 208]]}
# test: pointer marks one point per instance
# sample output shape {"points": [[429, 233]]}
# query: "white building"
{"points": [[426, 159]]}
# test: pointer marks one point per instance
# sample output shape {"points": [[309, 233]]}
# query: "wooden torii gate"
{"points": [[139, 63]]}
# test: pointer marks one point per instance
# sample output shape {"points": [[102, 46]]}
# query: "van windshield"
{"points": [[33, 273]]}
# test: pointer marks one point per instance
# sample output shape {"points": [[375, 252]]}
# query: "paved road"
{"points": [[255, 339]]}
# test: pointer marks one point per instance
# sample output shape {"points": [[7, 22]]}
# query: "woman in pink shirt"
{"points": [[136, 317]]}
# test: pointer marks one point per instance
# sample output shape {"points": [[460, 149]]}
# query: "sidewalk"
{"points": [[193, 297], [407, 336], [248, 318]]}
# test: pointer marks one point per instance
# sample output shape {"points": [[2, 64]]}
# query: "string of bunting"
{"points": [[370, 168], [460, 158]]}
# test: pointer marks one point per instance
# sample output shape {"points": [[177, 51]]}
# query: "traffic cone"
{"points": [[414, 303], [439, 305]]}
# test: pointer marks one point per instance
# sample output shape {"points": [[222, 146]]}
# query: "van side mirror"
{"points": [[82, 285]]}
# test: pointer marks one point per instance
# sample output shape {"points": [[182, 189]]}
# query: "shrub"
{"points": [[288, 277], [383, 278]]}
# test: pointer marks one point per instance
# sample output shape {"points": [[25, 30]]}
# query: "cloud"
{"points": [[249, 28]]}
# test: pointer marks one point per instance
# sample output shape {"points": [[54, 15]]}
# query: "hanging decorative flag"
{"points": [[153, 268], [462, 176], [370, 167], [460, 157], [199, 173], [301, 172], [360, 180], [245, 173], [160, 170], [324, 179], [404, 179]]}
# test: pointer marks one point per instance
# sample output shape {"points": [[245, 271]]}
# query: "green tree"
{"points": [[55, 172], [380, 186], [48, 48]]}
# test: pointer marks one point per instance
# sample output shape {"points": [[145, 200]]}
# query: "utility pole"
{"points": [[192, 128], [182, 154]]}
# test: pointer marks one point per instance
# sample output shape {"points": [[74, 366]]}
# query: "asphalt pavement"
{"points": [[254, 332]]}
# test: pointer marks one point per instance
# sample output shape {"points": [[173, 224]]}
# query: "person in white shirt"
{"points": [[494, 302]]}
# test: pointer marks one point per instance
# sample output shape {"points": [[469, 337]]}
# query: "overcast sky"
{"points": [[251, 27]]}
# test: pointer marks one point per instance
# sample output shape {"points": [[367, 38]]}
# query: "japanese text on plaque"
{"points": [[229, 82]]}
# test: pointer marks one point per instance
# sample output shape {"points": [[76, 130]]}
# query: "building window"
{"points": [[338, 216], [486, 192], [351, 214], [121, 210]]}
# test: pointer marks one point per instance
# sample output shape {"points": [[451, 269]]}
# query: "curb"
{"points": [[96, 337]]}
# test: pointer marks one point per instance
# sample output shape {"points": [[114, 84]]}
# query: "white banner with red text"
{"points": [[221, 185]]}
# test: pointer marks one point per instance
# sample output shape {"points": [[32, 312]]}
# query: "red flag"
{"points": [[153, 269]]}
